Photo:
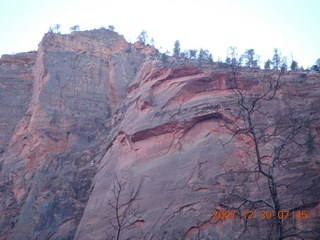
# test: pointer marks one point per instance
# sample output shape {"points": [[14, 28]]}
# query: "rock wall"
{"points": [[88, 107], [171, 150], [15, 92], [78, 81]]}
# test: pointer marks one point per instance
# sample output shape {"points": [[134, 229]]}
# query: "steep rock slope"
{"points": [[78, 81], [169, 150], [15, 92], [93, 109]]}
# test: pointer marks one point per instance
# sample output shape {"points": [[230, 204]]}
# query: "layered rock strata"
{"points": [[88, 108]]}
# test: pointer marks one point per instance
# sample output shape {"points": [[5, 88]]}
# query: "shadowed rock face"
{"points": [[60, 110], [15, 92], [89, 106], [170, 150], [15, 96]]}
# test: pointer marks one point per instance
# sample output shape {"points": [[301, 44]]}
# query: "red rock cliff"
{"points": [[89, 106]]}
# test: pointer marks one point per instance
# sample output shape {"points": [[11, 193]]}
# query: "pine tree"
{"points": [[276, 59], [250, 57], [143, 37], [294, 65], [267, 64], [111, 27], [176, 49], [75, 28]]}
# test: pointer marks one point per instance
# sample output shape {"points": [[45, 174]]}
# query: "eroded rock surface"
{"points": [[48, 162], [89, 106], [170, 148]]}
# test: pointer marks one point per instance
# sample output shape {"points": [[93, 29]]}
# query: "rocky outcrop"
{"points": [[15, 95], [171, 149], [88, 108], [78, 81], [15, 92]]}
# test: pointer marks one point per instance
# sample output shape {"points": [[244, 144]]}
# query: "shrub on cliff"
{"points": [[233, 58], [184, 54], [204, 56], [316, 67], [75, 28], [251, 58], [164, 57], [294, 65], [143, 37], [111, 27], [176, 49], [276, 59], [267, 64], [54, 29], [284, 66], [192, 53]]}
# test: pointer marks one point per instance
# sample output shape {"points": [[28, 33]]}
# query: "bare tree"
{"points": [[275, 139], [124, 207]]}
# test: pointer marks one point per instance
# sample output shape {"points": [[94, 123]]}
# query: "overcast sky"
{"points": [[293, 26]]}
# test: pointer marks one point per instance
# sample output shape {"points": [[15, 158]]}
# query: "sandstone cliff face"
{"points": [[15, 87], [78, 80], [170, 148], [89, 106], [15, 95]]}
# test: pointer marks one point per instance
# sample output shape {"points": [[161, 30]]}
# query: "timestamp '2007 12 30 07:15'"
{"points": [[250, 214]]}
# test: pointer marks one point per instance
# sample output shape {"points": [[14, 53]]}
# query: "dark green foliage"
{"points": [[184, 54], [75, 28], [210, 60], [176, 49], [111, 27], [192, 53], [276, 59], [315, 68], [228, 60], [54, 29], [250, 57], [205, 56], [143, 37], [233, 58], [164, 57], [294, 65], [284, 66], [267, 64], [201, 55]]}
